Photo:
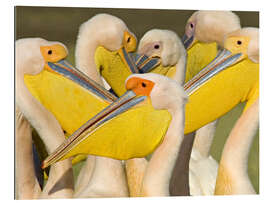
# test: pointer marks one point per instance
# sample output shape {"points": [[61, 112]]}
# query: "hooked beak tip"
{"points": [[187, 41], [43, 165], [130, 83]]}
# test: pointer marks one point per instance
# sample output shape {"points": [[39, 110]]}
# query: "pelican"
{"points": [[165, 94], [98, 53], [30, 60], [245, 40], [204, 33], [240, 82]]}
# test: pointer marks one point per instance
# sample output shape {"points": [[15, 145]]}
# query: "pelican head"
{"points": [[102, 44], [110, 32], [162, 43], [245, 41], [34, 53], [167, 46], [209, 26], [163, 92]]}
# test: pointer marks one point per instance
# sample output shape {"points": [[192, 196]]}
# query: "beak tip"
{"points": [[187, 41], [131, 83], [43, 165]]}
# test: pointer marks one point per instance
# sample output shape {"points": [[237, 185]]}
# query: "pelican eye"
{"points": [[50, 52], [239, 42], [191, 25], [156, 46], [128, 39], [143, 84]]}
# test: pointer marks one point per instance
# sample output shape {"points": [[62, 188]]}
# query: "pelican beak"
{"points": [[145, 63], [222, 61], [63, 68], [125, 102], [128, 60], [139, 63], [188, 41]]}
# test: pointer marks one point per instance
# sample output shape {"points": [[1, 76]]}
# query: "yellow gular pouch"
{"points": [[134, 133], [71, 104], [238, 83], [111, 66], [198, 56]]}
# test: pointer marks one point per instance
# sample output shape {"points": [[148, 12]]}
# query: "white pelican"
{"points": [[204, 33], [232, 174], [165, 94], [98, 51], [30, 54]]}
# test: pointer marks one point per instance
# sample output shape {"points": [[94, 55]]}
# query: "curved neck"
{"points": [[180, 73], [158, 173], [106, 171], [85, 56], [234, 158]]}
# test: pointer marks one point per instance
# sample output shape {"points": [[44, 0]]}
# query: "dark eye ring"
{"points": [[239, 42], [128, 40], [191, 25], [143, 84], [156, 46], [50, 52]]}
